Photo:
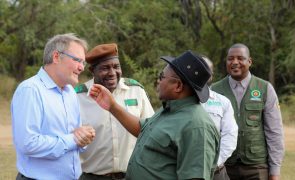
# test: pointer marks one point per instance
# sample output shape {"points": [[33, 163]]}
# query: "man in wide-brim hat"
{"points": [[180, 141]]}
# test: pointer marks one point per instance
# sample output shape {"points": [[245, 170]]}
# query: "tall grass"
{"points": [[7, 86], [288, 109]]}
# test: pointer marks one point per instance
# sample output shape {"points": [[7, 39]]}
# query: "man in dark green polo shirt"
{"points": [[180, 141]]}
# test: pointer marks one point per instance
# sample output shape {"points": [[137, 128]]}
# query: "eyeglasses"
{"points": [[161, 76], [74, 58]]}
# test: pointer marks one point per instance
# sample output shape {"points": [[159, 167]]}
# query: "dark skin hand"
{"points": [[104, 98]]}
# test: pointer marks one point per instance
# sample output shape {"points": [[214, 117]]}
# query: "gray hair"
{"points": [[209, 62], [61, 42], [240, 45]]}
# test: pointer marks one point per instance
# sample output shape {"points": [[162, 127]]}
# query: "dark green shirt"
{"points": [[179, 142]]}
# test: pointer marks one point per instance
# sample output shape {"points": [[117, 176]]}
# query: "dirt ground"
{"points": [[289, 138], [6, 137]]}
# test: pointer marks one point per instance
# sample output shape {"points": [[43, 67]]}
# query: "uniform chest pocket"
{"points": [[216, 112], [158, 146], [132, 106], [254, 113]]}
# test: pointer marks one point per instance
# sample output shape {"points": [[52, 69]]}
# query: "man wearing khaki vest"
{"points": [[260, 147]]}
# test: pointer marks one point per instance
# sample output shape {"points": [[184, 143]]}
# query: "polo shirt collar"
{"points": [[174, 105], [48, 81]]}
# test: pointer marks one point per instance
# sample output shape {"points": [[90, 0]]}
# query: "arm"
{"points": [[104, 98], [228, 132], [273, 129]]}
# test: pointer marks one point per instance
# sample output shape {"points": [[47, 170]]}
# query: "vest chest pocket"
{"points": [[256, 150], [253, 113]]}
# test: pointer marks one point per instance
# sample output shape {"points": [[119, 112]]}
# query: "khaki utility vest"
{"points": [[251, 146]]}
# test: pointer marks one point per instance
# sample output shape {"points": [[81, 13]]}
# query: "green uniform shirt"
{"points": [[179, 142]]}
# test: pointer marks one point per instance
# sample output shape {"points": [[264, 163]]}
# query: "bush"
{"points": [[8, 85], [288, 109]]}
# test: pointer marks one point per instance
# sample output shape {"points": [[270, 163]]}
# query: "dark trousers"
{"points": [[240, 171], [90, 176], [221, 174], [22, 177]]}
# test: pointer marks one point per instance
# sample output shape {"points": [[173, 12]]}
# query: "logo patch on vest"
{"points": [[255, 95]]}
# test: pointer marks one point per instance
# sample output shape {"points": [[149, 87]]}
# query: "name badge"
{"points": [[131, 102]]}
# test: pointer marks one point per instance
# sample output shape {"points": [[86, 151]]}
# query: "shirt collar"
{"points": [[173, 105], [48, 81], [211, 94], [121, 85], [245, 82]]}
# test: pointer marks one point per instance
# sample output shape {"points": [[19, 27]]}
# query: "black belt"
{"points": [[219, 169], [117, 175]]}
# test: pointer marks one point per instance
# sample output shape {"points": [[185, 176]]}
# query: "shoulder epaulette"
{"points": [[132, 82], [81, 88]]}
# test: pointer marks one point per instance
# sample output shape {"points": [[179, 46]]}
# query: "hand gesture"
{"points": [[84, 135], [102, 96]]}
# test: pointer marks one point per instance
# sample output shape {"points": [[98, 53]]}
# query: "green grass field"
{"points": [[7, 153]]}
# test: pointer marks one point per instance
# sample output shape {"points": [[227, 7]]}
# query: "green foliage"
{"points": [[7, 86], [262, 25], [31, 71], [146, 30], [146, 76], [288, 109]]}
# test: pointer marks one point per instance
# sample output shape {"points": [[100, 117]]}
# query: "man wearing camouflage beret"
{"points": [[107, 157]]}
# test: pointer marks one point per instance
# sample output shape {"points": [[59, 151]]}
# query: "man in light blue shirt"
{"points": [[47, 131]]}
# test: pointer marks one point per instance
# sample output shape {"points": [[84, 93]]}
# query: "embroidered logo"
{"points": [[213, 103], [255, 95]]}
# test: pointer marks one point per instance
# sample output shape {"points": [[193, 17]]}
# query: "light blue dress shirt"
{"points": [[43, 119]]}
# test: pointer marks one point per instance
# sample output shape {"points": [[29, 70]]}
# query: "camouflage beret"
{"points": [[101, 53]]}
